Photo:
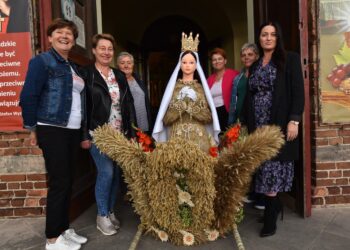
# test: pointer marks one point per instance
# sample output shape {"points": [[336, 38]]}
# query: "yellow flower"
{"points": [[188, 238], [163, 236], [212, 234], [184, 197]]}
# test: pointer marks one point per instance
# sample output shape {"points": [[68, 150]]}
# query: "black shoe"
{"points": [[264, 233], [272, 208]]}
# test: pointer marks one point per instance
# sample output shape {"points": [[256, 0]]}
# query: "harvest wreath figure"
{"points": [[182, 193]]}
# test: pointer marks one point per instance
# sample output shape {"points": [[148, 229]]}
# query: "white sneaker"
{"points": [[114, 220], [104, 224], [62, 244], [71, 235]]}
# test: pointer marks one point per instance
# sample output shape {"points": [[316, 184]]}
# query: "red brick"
{"points": [[345, 190], [4, 144], [9, 136], [342, 181], [31, 202], [333, 190], [6, 194], [27, 211], [6, 212], [320, 191], [10, 151], [36, 151], [27, 185], [335, 141], [42, 202], [36, 177], [321, 174], [346, 139], [325, 165], [17, 202], [321, 141], [346, 173], [23, 135], [3, 186], [13, 185], [40, 185], [343, 165], [326, 133], [340, 199], [2, 152], [20, 193], [16, 143], [37, 193], [317, 201], [5, 202], [343, 132], [334, 174], [27, 143], [325, 182], [24, 151], [12, 177]]}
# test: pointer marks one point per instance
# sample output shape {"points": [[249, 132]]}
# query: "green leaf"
{"points": [[344, 55]]}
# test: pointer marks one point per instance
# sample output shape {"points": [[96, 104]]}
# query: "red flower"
{"points": [[213, 151], [145, 140]]}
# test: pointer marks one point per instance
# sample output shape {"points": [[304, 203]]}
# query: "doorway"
{"points": [[153, 35]]}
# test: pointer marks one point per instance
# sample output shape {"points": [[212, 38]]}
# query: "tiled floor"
{"points": [[328, 228]]}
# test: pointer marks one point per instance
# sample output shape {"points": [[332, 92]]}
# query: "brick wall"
{"points": [[23, 181], [330, 143]]}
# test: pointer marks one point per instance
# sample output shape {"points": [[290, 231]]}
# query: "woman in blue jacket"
{"points": [[53, 109]]}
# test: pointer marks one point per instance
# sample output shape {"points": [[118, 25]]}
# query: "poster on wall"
{"points": [[15, 53], [334, 23]]}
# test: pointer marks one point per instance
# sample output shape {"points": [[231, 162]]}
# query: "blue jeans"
{"points": [[107, 181]]}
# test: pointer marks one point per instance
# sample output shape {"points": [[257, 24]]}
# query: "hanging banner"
{"points": [[335, 61], [15, 53]]}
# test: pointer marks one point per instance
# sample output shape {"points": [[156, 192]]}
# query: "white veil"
{"points": [[160, 131]]}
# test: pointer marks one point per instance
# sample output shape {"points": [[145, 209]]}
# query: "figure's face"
{"points": [[248, 57], [268, 38], [62, 40], [126, 65], [218, 62], [188, 65], [103, 52]]}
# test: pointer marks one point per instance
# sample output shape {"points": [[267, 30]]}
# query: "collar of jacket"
{"points": [[57, 56]]}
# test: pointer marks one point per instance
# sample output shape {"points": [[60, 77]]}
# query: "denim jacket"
{"points": [[232, 114], [47, 92]]}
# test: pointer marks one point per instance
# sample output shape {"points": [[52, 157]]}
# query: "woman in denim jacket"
{"points": [[53, 109]]}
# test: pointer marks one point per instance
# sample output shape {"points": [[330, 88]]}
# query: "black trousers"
{"points": [[223, 117], [60, 148]]}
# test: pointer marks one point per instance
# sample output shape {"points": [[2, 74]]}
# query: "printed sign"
{"points": [[335, 61], [15, 53]]}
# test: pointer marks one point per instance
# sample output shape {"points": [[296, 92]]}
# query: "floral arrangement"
{"points": [[145, 140], [182, 194]]}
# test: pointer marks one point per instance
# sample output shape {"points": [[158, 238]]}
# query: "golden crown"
{"points": [[187, 42]]}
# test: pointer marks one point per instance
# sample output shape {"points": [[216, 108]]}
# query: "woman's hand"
{"points": [[85, 144], [292, 131], [32, 137]]}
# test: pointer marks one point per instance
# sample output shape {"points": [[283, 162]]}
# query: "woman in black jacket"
{"points": [[275, 96], [108, 101]]}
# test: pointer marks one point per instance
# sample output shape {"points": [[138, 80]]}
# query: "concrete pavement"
{"points": [[327, 229]]}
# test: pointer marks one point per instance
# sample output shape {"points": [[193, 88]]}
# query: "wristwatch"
{"points": [[295, 122]]}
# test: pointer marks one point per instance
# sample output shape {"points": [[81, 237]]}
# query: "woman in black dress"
{"points": [[275, 96]]}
